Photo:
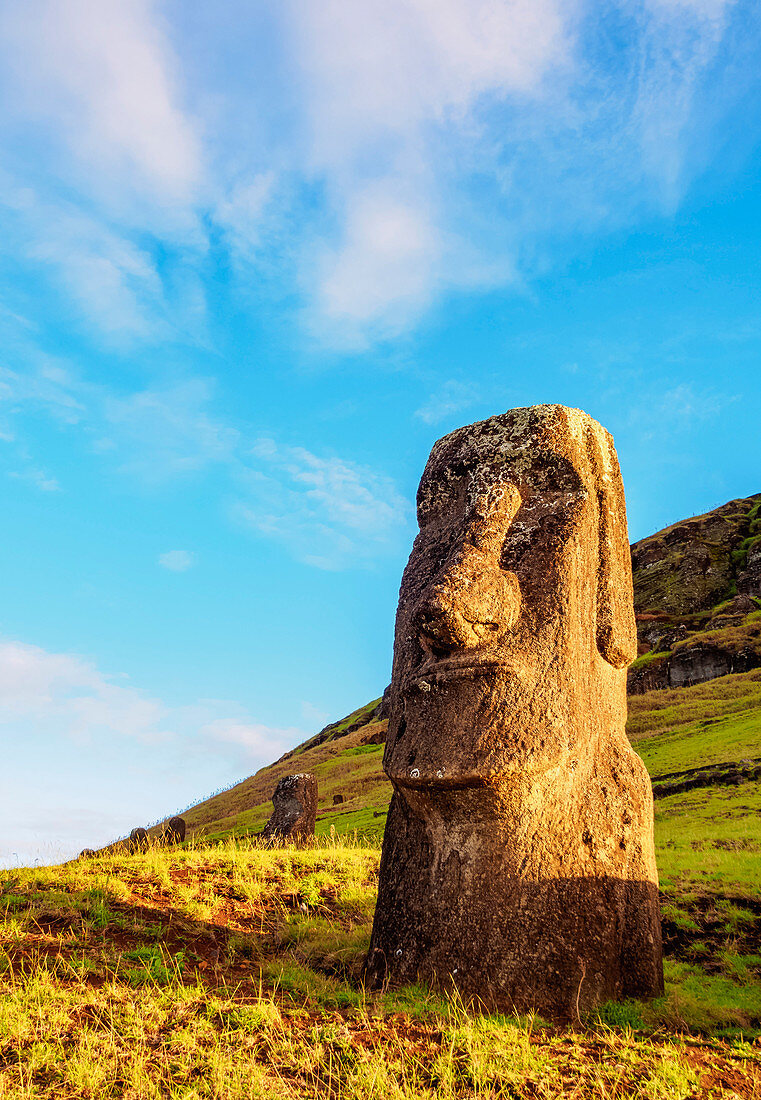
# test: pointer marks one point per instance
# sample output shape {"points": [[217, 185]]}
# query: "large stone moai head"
{"points": [[294, 809], [518, 857]]}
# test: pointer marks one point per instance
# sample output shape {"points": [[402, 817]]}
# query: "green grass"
{"points": [[673, 731], [709, 839], [698, 726], [648, 658], [234, 971]]}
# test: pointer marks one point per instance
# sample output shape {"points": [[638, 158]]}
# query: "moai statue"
{"points": [[518, 861], [87, 853], [294, 809], [138, 839], [174, 831]]}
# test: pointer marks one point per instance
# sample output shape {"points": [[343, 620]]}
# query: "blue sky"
{"points": [[254, 260]]}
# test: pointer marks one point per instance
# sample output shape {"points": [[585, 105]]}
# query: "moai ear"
{"points": [[616, 628]]}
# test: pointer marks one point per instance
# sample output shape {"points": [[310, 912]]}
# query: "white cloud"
{"points": [[394, 149], [384, 81], [450, 397], [126, 755], [177, 561], [70, 692], [163, 433], [384, 269], [241, 212], [481, 131], [255, 739], [112, 281], [331, 513], [383, 68], [101, 72], [114, 160], [38, 478]]}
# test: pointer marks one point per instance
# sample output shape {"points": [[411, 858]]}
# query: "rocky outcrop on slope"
{"points": [[694, 565], [697, 596]]}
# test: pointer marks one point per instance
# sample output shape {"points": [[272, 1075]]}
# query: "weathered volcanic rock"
{"points": [[518, 859], [294, 808], [138, 839], [337, 799], [174, 831], [87, 853], [749, 580], [692, 565]]}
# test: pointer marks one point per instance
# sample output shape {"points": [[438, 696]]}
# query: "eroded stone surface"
{"points": [[294, 808], [138, 839], [174, 831], [518, 856]]}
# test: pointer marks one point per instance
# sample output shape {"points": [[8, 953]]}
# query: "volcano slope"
{"points": [[223, 969], [700, 739], [697, 587]]}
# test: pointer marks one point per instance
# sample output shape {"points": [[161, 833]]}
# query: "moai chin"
{"points": [[518, 860]]}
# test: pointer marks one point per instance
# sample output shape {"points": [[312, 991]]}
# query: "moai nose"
{"points": [[472, 603]]}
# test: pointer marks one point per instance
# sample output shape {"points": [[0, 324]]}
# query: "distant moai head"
{"points": [[138, 839], [294, 804], [515, 621], [174, 831], [87, 853], [518, 858]]}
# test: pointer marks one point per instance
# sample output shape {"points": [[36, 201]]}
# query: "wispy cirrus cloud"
{"points": [[162, 433], [450, 397], [38, 478], [418, 147], [329, 512], [177, 561]]}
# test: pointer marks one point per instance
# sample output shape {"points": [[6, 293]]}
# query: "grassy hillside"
{"points": [[223, 969], [690, 616], [346, 764], [233, 972], [674, 732], [689, 568], [699, 725]]}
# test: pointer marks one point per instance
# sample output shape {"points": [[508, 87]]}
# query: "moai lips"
{"points": [[518, 856]]}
